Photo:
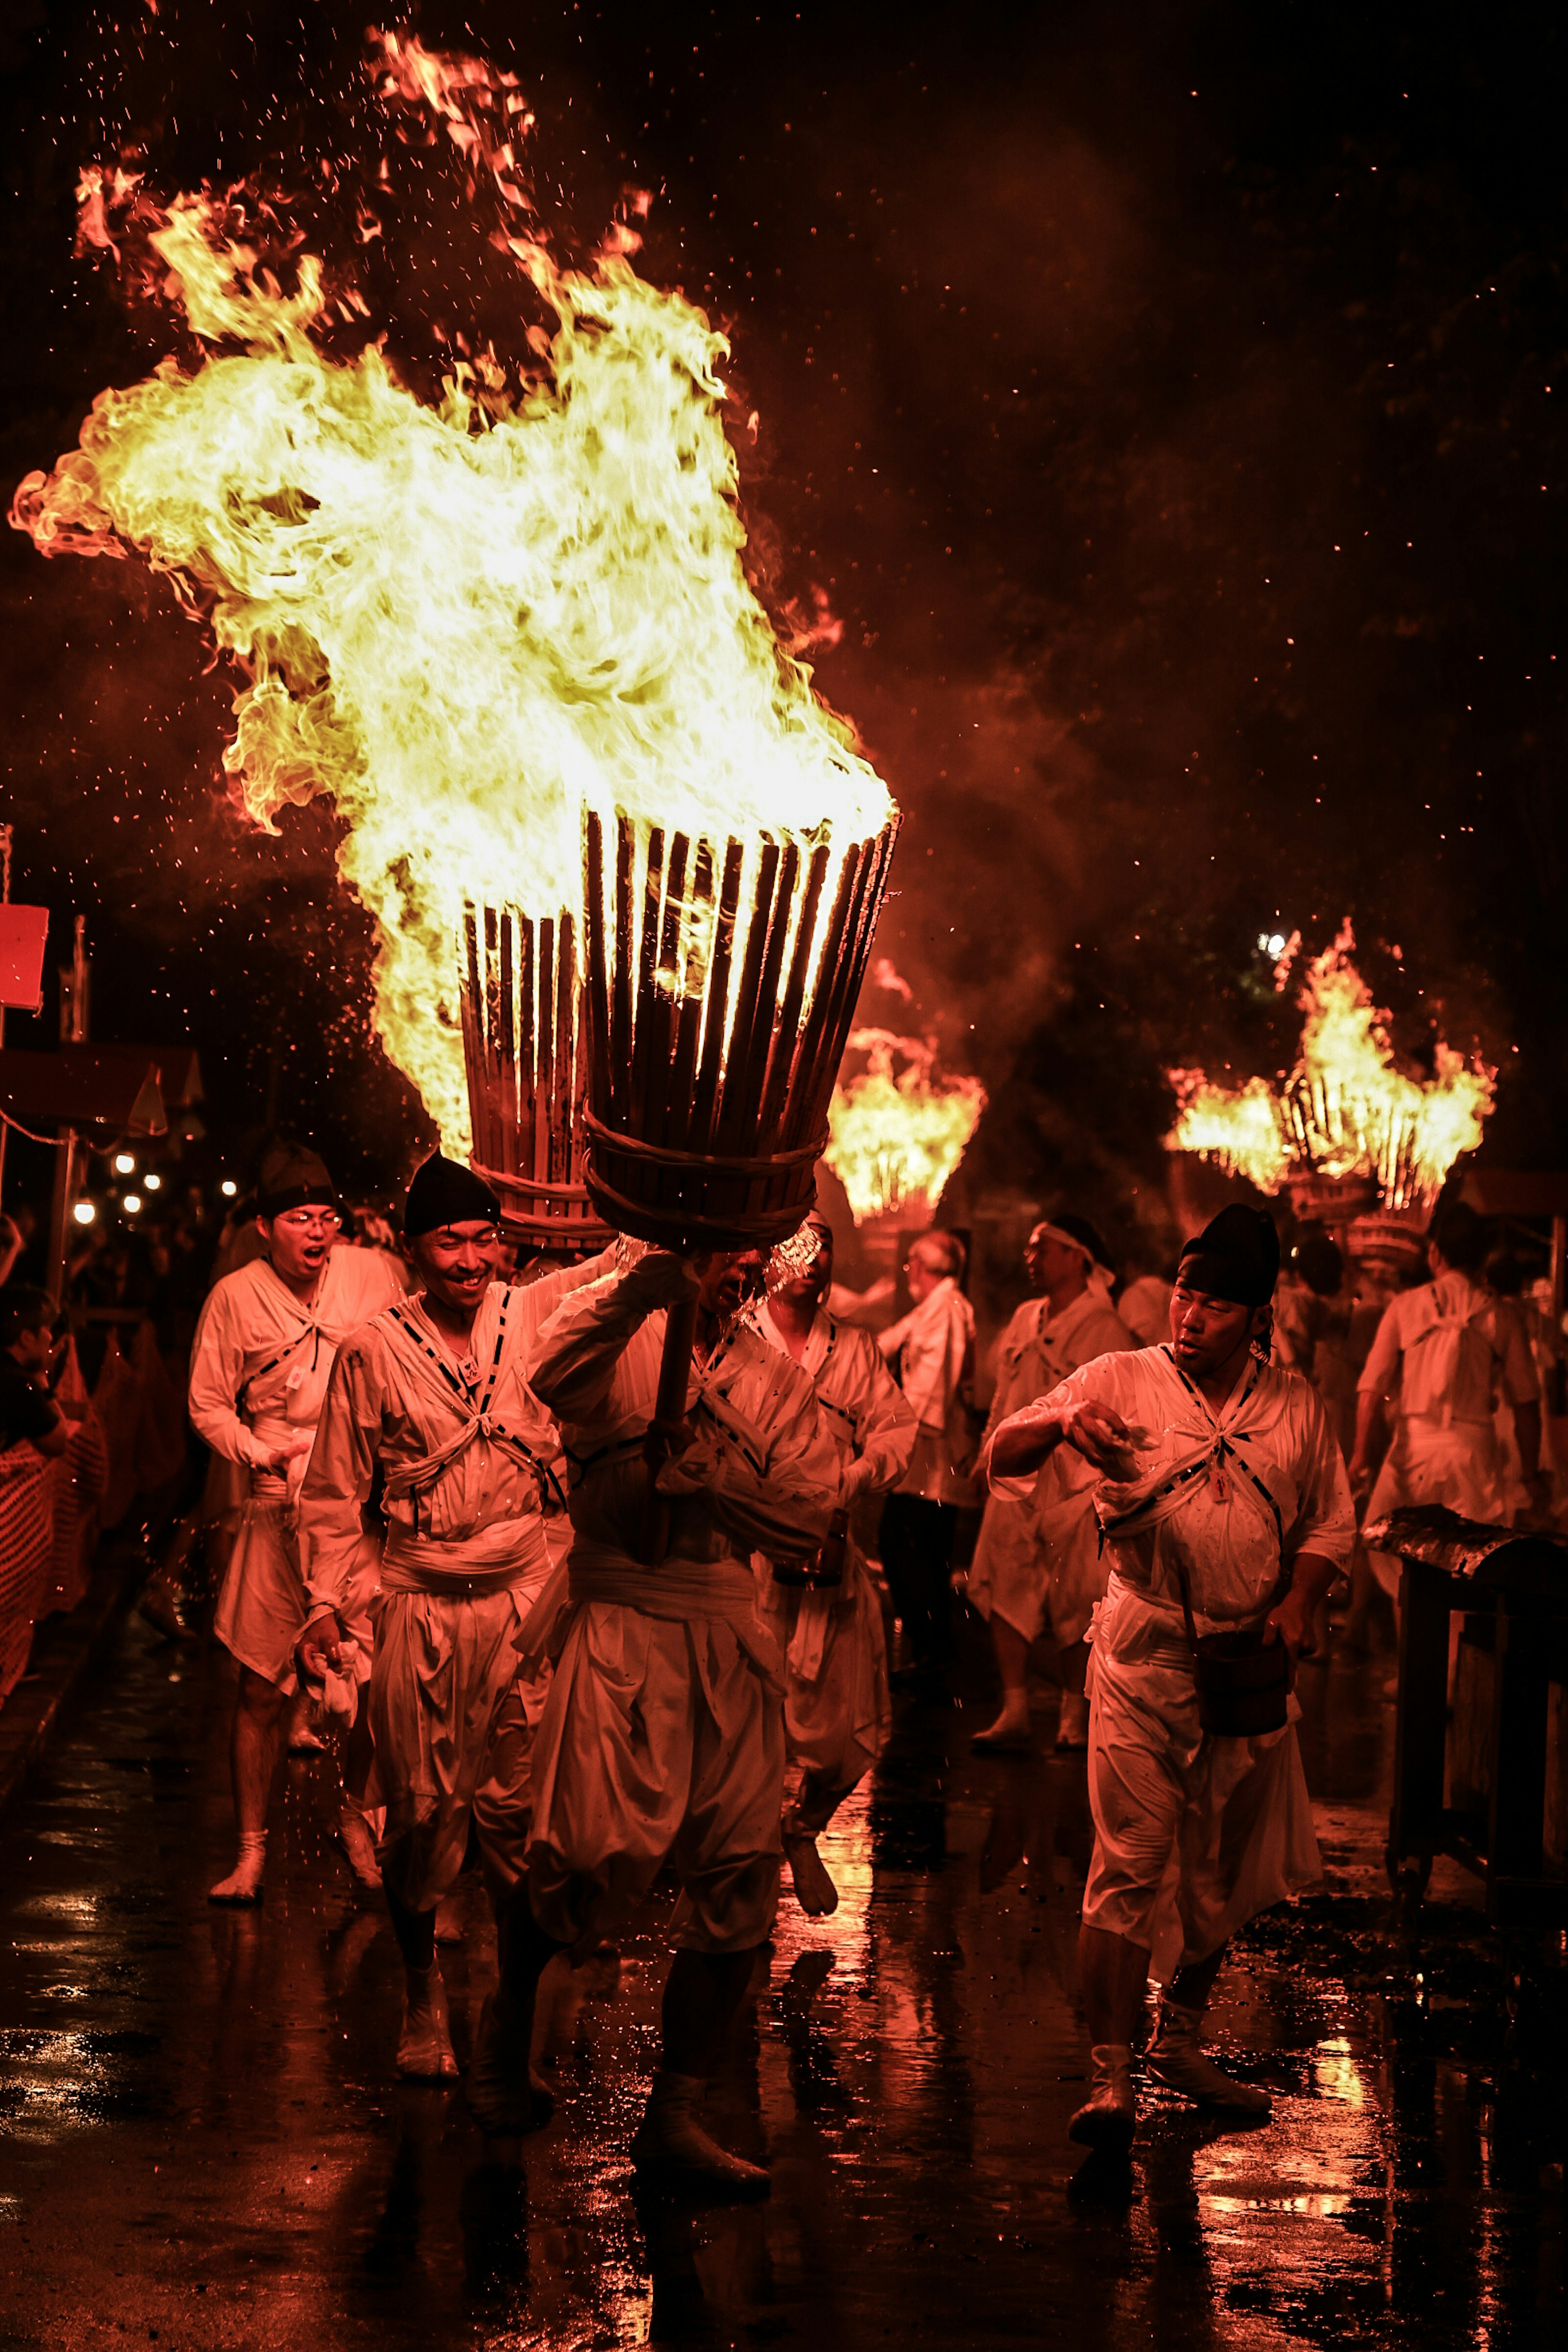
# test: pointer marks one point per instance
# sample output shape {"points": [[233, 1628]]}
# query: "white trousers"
{"points": [[662, 1740], [1224, 1827], [450, 1716], [838, 1713]]}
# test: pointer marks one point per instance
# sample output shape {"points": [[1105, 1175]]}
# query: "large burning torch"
{"points": [[511, 637], [1347, 1124]]}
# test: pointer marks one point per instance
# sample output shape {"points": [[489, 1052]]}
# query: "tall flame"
{"points": [[899, 1134], [1346, 1108], [466, 625]]}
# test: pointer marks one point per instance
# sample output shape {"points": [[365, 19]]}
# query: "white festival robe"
{"points": [[1037, 1562], [1447, 1355], [260, 1362], [838, 1713], [934, 1345], [460, 1464], [662, 1738], [1233, 1496]]}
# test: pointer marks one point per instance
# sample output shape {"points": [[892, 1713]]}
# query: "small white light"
{"points": [[1263, 943], [85, 1212], [131, 1204], [152, 1181], [124, 1162], [1276, 944], [228, 1188]]}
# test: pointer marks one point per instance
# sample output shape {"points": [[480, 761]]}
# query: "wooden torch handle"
{"points": [[673, 1378]]}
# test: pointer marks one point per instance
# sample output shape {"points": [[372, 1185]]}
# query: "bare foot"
{"points": [[243, 1883], [1072, 1728], [1009, 1735], [425, 2053], [814, 1889], [353, 1830]]}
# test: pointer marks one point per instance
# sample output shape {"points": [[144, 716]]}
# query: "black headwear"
{"points": [[1236, 1256], [290, 1176], [445, 1193]]}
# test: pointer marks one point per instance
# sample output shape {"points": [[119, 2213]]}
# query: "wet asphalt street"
{"points": [[203, 2145]]}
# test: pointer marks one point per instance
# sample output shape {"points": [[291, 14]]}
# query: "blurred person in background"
{"points": [[1445, 1356], [1313, 1310], [28, 1359], [825, 1612], [1514, 1276], [932, 1350], [1037, 1565]]}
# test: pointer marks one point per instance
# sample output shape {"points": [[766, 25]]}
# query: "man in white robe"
{"points": [[430, 1410], [1038, 1563], [1222, 1492], [932, 1349], [662, 1739], [824, 1613], [260, 1360], [1445, 1356]]}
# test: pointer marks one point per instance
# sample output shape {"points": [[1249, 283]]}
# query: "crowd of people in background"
{"points": [[419, 1472]]}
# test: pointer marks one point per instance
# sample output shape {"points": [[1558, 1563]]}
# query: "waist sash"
{"points": [[507, 1552]]}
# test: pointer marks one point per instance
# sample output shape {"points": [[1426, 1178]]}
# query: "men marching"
{"points": [[662, 1739], [824, 1613], [430, 1410], [933, 1350], [1226, 1510], [1038, 1564], [260, 1362]]}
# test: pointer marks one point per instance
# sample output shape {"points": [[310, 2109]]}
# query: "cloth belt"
{"points": [[680, 1591], [467, 1566], [278, 1486]]}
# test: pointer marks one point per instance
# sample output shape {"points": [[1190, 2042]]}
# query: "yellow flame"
{"points": [[466, 625], [1242, 1129], [1346, 1108], [897, 1136]]}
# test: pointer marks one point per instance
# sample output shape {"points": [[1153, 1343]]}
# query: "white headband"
{"points": [[1100, 1278]]}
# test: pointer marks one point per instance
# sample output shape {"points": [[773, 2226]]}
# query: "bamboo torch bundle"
{"points": [[526, 1055], [718, 1016], [717, 1031]]}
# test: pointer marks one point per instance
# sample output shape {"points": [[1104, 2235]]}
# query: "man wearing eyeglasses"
{"points": [[263, 1351]]}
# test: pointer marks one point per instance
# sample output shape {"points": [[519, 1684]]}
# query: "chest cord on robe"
{"points": [[1211, 1463], [410, 1477]]}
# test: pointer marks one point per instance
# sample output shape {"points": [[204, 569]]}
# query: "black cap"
{"points": [[291, 1176], [444, 1192], [1236, 1256]]}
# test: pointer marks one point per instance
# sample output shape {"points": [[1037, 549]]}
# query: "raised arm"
{"points": [[572, 1369]]}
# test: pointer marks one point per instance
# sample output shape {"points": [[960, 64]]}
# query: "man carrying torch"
{"points": [[662, 1739]]}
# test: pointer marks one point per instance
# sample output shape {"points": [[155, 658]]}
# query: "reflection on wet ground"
{"points": [[202, 2142]]}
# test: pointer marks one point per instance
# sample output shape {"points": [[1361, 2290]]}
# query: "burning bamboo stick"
{"points": [[527, 1059]]}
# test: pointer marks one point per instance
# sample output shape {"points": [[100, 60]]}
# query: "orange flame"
{"points": [[1346, 1108], [466, 625], [898, 1135]]}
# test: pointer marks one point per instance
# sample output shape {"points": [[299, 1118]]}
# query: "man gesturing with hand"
{"points": [[1223, 1499]]}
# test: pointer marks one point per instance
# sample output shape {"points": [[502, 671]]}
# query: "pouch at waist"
{"points": [[504, 1553]]}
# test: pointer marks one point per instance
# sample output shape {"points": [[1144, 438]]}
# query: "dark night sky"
{"points": [[1166, 399]]}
